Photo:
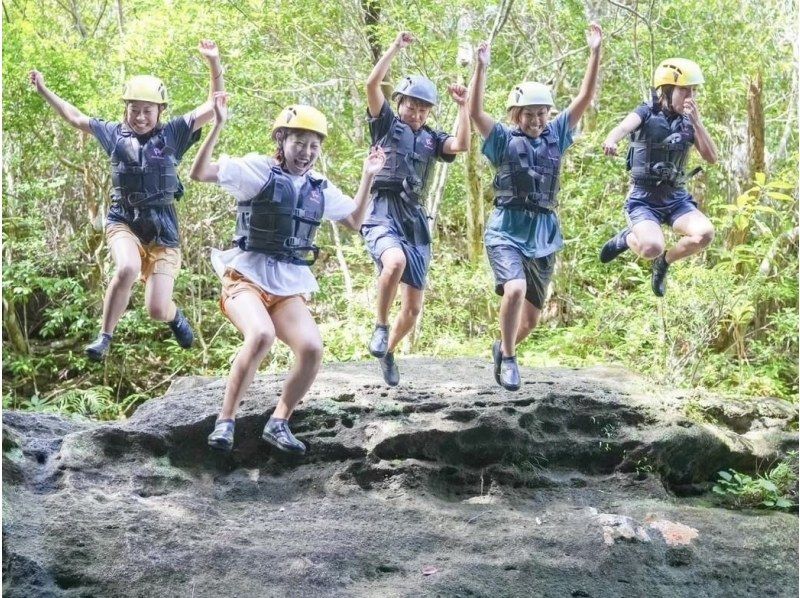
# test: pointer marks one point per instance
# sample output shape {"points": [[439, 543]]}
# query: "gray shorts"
{"points": [[508, 263]]}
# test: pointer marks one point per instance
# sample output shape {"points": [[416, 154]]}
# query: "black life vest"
{"points": [[409, 160], [144, 175], [659, 149], [527, 178], [280, 221]]}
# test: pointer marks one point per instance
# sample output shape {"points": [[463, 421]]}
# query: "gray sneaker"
{"points": [[99, 348], [278, 434], [221, 439], [509, 373], [659, 278], [391, 375], [379, 343]]}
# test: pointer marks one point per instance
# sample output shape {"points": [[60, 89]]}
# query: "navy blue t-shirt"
{"points": [[157, 225]]}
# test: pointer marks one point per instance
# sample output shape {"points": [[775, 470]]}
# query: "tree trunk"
{"points": [[13, 328], [476, 213], [755, 127]]}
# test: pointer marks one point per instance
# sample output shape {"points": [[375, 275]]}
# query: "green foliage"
{"points": [[777, 489], [729, 321]]}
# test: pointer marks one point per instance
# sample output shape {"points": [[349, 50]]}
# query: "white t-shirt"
{"points": [[244, 178]]}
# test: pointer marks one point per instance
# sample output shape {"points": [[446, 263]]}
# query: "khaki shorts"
{"points": [[156, 259], [234, 284]]}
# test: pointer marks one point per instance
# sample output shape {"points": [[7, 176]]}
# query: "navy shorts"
{"points": [[379, 238], [660, 208], [509, 263]]}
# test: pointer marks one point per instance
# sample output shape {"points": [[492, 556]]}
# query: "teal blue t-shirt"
{"points": [[534, 234]]}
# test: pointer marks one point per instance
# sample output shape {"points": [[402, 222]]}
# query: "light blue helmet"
{"points": [[417, 86]]}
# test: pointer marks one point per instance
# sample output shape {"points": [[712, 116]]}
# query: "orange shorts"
{"points": [[156, 259], [234, 284]]}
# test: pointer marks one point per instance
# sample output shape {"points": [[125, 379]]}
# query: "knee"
{"points": [[412, 311], [393, 266], [650, 250], [705, 237], [515, 290], [127, 274], [260, 341], [310, 352]]}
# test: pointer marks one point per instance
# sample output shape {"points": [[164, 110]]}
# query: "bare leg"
{"points": [[528, 321], [248, 314], [393, 262], [295, 327], [510, 311], [158, 297], [128, 265], [411, 305], [646, 239], [697, 232]]}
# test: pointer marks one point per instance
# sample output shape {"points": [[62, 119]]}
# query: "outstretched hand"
{"points": [[221, 107], [484, 54], [208, 49], [403, 39], [458, 93], [594, 35], [374, 162], [36, 80]]}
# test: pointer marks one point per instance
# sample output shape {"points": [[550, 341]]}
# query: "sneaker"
{"points": [[278, 434], [99, 348], [615, 246], [182, 330], [221, 439], [497, 356], [509, 373], [379, 343], [391, 375], [659, 279]]}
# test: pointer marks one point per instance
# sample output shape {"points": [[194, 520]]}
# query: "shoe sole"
{"points": [[220, 448], [282, 448], [378, 355], [98, 357]]}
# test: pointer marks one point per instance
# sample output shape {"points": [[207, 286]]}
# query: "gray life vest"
{"points": [[659, 149], [144, 175], [409, 160], [527, 178], [280, 221]]}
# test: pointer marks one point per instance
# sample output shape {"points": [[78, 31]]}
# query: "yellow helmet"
{"points": [[145, 88], [302, 117], [677, 71]]}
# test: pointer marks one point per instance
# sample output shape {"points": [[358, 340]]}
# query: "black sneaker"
{"points": [[221, 439], [391, 375], [615, 246], [509, 373], [99, 348], [659, 279], [379, 343], [182, 330], [497, 356], [278, 434]]}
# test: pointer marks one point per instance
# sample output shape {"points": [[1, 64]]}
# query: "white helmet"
{"points": [[530, 93]]}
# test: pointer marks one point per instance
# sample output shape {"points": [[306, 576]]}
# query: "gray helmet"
{"points": [[417, 86]]}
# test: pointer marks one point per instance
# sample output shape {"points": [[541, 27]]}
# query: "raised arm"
{"points": [[483, 122], [459, 143], [203, 169], [374, 93], [205, 111], [702, 140], [64, 109], [372, 166], [594, 38], [628, 125]]}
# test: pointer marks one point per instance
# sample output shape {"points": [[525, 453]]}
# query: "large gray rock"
{"points": [[584, 483]]}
